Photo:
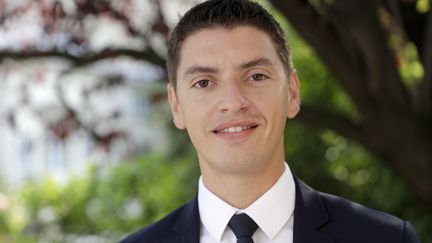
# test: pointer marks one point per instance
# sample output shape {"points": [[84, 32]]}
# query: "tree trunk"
{"points": [[350, 38]]}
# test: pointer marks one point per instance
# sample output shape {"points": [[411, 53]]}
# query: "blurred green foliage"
{"points": [[108, 201]]}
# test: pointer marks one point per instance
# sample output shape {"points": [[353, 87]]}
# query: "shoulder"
{"points": [[345, 210], [159, 231], [350, 219], [345, 221]]}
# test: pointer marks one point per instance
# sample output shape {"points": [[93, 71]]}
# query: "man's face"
{"points": [[233, 97]]}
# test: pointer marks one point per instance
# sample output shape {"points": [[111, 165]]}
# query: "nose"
{"points": [[233, 99]]}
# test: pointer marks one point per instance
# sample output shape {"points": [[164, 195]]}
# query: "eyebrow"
{"points": [[199, 69], [257, 62]]}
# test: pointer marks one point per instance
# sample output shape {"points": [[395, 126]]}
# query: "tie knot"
{"points": [[242, 225]]}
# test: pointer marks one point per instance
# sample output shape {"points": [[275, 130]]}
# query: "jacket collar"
{"points": [[309, 215], [188, 225]]}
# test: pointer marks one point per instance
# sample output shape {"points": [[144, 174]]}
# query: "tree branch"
{"points": [[393, 8], [353, 45], [382, 74], [426, 56], [330, 120], [73, 121], [148, 55], [327, 41]]}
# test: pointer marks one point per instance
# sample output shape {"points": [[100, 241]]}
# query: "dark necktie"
{"points": [[243, 227]]}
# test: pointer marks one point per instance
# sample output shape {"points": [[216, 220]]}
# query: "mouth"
{"points": [[235, 129]]}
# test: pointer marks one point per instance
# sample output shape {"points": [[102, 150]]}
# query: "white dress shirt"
{"points": [[273, 213]]}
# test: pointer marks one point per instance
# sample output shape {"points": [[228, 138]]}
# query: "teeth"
{"points": [[236, 129]]}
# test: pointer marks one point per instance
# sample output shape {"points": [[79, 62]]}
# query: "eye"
{"points": [[259, 77], [202, 84]]}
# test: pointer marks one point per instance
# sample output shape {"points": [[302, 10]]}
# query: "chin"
{"points": [[239, 166]]}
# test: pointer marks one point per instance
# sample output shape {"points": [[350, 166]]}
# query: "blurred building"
{"points": [[39, 139], [39, 135]]}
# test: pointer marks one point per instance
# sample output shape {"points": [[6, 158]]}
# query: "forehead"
{"points": [[221, 47]]}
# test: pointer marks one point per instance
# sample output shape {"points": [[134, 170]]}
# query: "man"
{"points": [[232, 87]]}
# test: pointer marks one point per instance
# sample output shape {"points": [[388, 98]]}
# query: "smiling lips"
{"points": [[234, 131]]}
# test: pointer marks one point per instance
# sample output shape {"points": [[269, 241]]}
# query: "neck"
{"points": [[241, 190]]}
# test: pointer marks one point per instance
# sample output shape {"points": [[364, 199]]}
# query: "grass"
{"points": [[4, 237]]}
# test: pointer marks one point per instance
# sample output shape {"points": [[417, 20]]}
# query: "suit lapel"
{"points": [[309, 215], [188, 224]]}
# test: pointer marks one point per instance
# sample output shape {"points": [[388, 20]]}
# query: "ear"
{"points": [[294, 95], [175, 109]]}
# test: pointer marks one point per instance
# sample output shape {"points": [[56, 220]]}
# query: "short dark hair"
{"points": [[228, 14]]}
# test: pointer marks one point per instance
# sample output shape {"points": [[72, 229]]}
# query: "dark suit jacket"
{"points": [[318, 218]]}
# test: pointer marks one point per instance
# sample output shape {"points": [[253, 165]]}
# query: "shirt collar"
{"points": [[214, 212], [271, 211]]}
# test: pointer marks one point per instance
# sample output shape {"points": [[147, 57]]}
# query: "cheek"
{"points": [[273, 103], [196, 113]]}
